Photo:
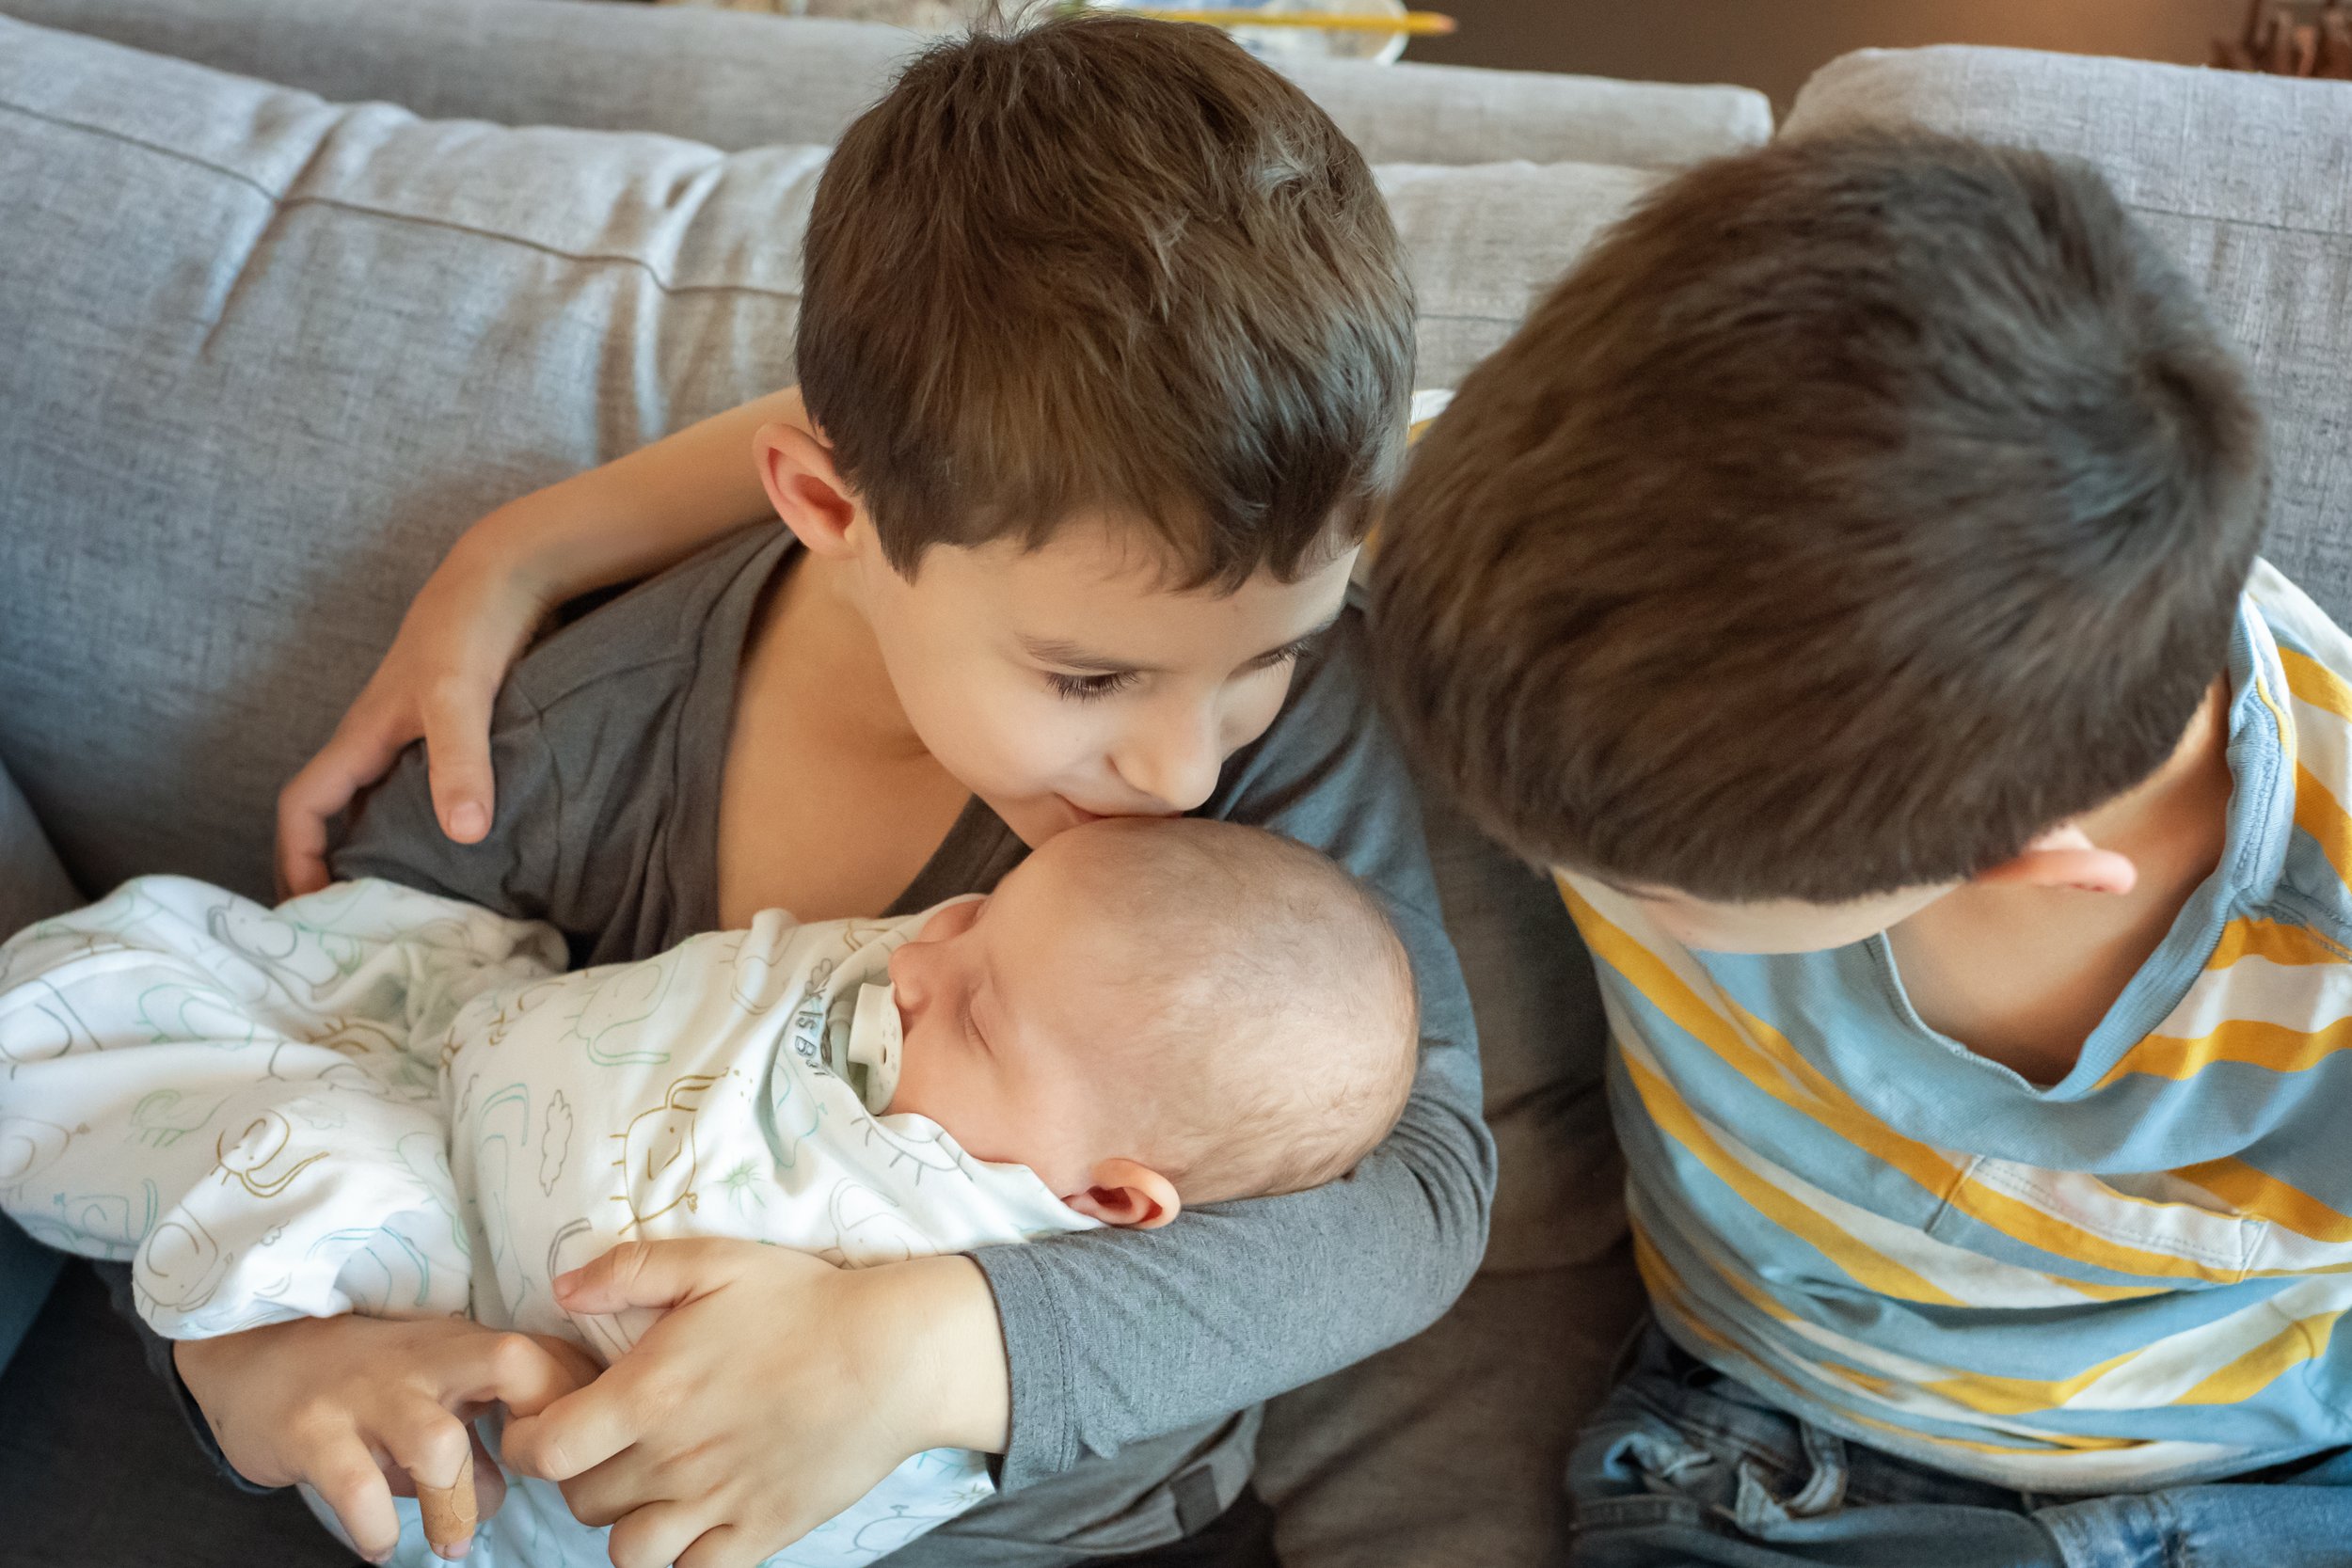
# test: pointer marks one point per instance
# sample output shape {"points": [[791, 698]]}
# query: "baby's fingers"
{"points": [[349, 1480]]}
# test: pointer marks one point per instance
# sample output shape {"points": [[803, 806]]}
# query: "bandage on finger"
{"points": [[449, 1513]]}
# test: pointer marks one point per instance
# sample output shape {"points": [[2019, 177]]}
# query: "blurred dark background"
{"points": [[1774, 44]]}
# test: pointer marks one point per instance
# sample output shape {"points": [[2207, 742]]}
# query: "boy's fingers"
{"points": [[344, 766], [573, 1435], [655, 1536], [490, 1481], [723, 1547], [640, 1273], [436, 1449], [574, 1367], [457, 758], [449, 1511], [522, 1372], [349, 1481]]}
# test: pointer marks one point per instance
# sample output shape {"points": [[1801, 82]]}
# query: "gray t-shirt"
{"points": [[1130, 1352]]}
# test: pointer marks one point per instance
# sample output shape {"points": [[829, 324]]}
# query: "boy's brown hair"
{"points": [[1861, 508], [1111, 268]]}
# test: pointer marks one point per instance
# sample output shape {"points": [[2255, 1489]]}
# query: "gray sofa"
{"points": [[262, 357]]}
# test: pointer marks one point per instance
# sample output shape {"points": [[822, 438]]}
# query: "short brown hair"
{"points": [[1861, 508], [1108, 265]]}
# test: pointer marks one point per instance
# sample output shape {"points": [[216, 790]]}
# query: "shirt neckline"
{"points": [[2261, 816], [976, 841]]}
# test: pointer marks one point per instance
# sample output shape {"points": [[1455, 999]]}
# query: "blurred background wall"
{"points": [[1774, 44]]}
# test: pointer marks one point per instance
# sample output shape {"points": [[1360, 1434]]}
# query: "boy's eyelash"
{"points": [[1290, 655], [1080, 689]]}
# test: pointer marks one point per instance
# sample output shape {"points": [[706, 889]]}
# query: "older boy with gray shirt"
{"points": [[1106, 343]]}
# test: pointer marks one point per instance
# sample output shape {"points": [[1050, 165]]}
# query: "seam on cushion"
{"points": [[2316, 231], [285, 202], [245, 262]]}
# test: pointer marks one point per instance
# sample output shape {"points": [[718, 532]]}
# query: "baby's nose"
{"points": [[906, 976]]}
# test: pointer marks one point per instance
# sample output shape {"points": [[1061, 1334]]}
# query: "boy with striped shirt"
{"points": [[1847, 580]]}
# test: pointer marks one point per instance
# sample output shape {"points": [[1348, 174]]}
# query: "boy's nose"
{"points": [[1177, 769]]}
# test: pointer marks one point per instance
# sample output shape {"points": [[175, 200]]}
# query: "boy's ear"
{"points": [[797, 470], [1124, 1192], [2065, 858]]}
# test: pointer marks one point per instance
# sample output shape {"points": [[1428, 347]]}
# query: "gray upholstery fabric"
{"points": [[1486, 242], [736, 80], [33, 886], [267, 357], [2247, 178], [1450, 1448]]}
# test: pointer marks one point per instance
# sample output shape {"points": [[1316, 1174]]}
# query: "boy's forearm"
{"points": [[636, 514], [949, 1317], [1270, 1294]]}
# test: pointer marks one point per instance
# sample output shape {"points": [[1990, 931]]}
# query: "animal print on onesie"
{"points": [[373, 1100]]}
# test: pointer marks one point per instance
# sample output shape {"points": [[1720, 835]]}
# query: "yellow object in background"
{"points": [[1412, 23]]}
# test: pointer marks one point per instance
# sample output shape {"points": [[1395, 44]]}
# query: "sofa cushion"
{"points": [[2247, 178], [1487, 241], [737, 80], [269, 356], [33, 886]]}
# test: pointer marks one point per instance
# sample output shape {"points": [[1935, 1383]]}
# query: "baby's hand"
{"points": [[363, 1409], [774, 1393]]}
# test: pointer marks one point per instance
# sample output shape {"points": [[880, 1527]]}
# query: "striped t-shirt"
{"points": [[2126, 1279]]}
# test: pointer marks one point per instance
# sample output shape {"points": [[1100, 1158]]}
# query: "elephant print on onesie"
{"points": [[660, 1158], [510, 1011], [182, 1265], [261, 1161], [498, 1135], [277, 952], [622, 998], [40, 1025], [29, 1146]]}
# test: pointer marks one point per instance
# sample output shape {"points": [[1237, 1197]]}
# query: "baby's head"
{"points": [[1859, 514], [1151, 1013]]}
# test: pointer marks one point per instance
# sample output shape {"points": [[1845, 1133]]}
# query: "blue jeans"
{"points": [[1683, 1465]]}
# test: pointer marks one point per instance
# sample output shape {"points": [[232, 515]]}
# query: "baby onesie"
{"points": [[375, 1099]]}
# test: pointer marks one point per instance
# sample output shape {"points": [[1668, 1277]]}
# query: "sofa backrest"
{"points": [[266, 356], [734, 80], [2249, 181]]}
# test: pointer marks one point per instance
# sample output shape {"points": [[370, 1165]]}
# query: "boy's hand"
{"points": [[364, 1408], [438, 681], [774, 1393]]}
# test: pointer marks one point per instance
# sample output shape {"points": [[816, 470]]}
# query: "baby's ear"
{"points": [[1126, 1194]]}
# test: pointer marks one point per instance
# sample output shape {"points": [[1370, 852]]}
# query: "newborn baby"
{"points": [[373, 1100]]}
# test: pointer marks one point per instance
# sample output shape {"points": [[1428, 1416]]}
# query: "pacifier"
{"points": [[869, 1060]]}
